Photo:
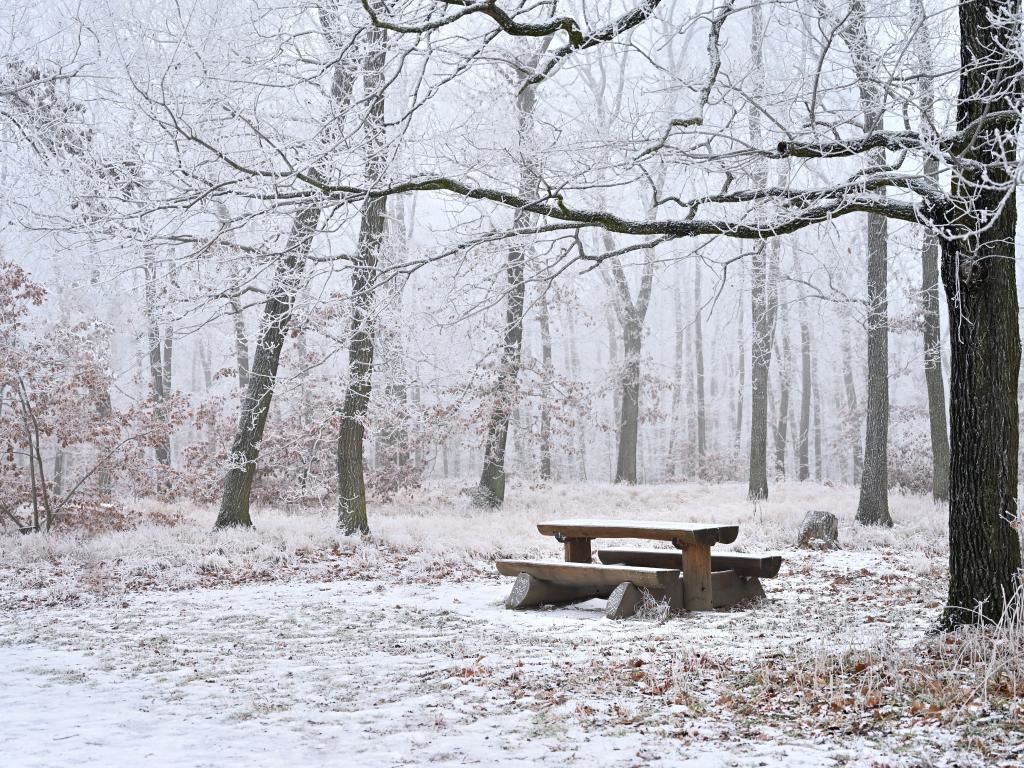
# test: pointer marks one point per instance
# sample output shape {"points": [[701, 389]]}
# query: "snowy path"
{"points": [[356, 673]]}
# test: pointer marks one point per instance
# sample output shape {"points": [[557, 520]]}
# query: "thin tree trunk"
{"points": [[850, 390], [574, 367], [873, 505], [698, 364], [782, 424], [277, 312], [491, 490], [241, 337], [930, 325], [818, 427], [547, 365], [629, 426], [157, 366], [741, 372], [803, 457], [352, 516], [675, 438]]}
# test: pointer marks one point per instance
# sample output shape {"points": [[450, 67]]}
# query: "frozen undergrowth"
{"points": [[433, 534], [395, 650]]}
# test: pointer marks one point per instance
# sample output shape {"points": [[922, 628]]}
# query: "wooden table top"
{"points": [[659, 530]]}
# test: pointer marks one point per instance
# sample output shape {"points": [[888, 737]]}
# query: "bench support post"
{"points": [[697, 577], [577, 550]]}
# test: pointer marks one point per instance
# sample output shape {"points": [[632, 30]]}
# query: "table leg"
{"points": [[577, 550], [697, 577]]}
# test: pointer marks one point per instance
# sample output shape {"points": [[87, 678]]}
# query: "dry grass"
{"points": [[839, 650], [433, 534]]}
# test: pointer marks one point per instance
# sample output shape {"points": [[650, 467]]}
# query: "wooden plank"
{"points": [[658, 530], [529, 592], [728, 588], [697, 577], [758, 566], [586, 574], [577, 550]]}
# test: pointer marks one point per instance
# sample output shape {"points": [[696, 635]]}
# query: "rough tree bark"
{"points": [[977, 232]]}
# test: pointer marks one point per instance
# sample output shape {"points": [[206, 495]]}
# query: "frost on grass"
{"points": [[396, 648], [433, 535]]}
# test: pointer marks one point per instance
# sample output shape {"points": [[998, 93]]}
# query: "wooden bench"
{"points": [[689, 577], [734, 576], [755, 566], [694, 540], [552, 582]]}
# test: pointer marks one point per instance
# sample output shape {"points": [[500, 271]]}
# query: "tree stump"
{"points": [[819, 530]]}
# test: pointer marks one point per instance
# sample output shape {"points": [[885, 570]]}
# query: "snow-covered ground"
{"points": [[291, 645]]}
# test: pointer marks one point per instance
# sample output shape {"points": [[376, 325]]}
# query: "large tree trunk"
{"points": [[277, 313], [979, 274], [351, 484]]}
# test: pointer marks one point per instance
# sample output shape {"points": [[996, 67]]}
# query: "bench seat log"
{"points": [[681, 534], [530, 592], [757, 566], [587, 574]]}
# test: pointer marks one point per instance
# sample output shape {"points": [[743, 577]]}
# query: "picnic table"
{"points": [[688, 577]]}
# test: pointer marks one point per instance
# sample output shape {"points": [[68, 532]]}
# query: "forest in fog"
{"points": [[345, 344], [319, 253]]}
